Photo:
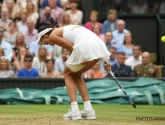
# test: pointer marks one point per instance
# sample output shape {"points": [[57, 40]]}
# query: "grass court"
{"points": [[106, 115]]}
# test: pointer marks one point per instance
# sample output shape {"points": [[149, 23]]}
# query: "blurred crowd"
{"points": [[21, 57], [133, 6]]}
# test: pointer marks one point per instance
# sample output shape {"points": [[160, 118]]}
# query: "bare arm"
{"points": [[16, 66], [22, 62], [56, 38]]}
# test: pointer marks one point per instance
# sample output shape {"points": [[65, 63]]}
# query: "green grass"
{"points": [[52, 115]]}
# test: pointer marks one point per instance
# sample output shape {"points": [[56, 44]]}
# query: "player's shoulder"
{"points": [[57, 32]]}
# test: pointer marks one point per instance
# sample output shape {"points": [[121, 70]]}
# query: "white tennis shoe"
{"points": [[72, 115], [91, 115]]}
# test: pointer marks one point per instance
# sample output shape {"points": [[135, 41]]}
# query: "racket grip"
{"points": [[111, 73]]}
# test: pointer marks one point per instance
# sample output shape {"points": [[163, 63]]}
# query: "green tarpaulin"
{"points": [[103, 91]]}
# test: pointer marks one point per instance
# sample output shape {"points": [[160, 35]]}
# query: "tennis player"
{"points": [[86, 50]]}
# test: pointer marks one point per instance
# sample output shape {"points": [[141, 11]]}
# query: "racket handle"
{"points": [[111, 73]]}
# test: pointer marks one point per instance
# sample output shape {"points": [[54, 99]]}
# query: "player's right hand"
{"points": [[107, 66]]}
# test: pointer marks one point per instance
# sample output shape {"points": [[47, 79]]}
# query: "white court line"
{"points": [[20, 92]]}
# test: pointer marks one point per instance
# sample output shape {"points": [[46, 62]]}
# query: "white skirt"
{"points": [[87, 49]]}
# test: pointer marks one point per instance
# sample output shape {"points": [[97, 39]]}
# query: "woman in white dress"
{"points": [[86, 50]]}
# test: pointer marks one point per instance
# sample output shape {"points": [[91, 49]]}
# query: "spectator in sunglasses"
{"points": [[28, 71]]}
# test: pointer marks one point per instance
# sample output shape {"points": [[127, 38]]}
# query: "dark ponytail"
{"points": [[48, 24], [45, 26]]}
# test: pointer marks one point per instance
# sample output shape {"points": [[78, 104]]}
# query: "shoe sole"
{"points": [[89, 118], [74, 118]]}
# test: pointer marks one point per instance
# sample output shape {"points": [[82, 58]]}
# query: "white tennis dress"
{"points": [[87, 45]]}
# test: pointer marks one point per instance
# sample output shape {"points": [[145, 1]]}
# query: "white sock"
{"points": [[88, 106], [74, 106]]}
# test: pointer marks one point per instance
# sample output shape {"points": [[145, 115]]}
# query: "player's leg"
{"points": [[80, 82], [73, 79], [88, 112], [74, 113], [70, 84]]}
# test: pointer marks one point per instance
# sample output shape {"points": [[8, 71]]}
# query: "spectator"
{"points": [[125, 6], [23, 4], [97, 30], [57, 52], [47, 18], [1, 3], [28, 71], [22, 27], [118, 35], [50, 70], [19, 43], [5, 71], [107, 39], [96, 72], [120, 69], [66, 4], [153, 6], [19, 61], [140, 7], [2, 52], [60, 65], [93, 20], [31, 33], [66, 20], [113, 55], [4, 21], [111, 23], [162, 7], [32, 14], [127, 45], [112, 59], [56, 12], [33, 49], [75, 14], [45, 3], [6, 46], [39, 62], [136, 58], [10, 35], [10, 5], [146, 69], [17, 9]]}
